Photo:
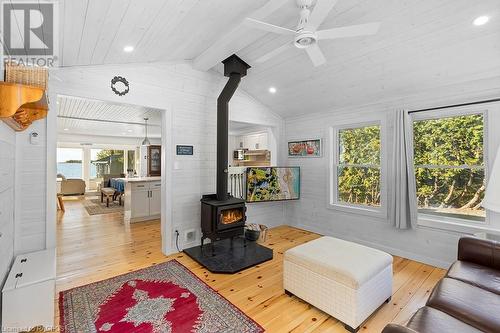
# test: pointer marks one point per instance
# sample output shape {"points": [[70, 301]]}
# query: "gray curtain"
{"points": [[404, 201]]}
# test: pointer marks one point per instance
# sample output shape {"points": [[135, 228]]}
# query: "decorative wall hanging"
{"points": [[120, 86], [304, 148]]}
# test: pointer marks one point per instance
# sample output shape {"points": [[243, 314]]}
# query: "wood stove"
{"points": [[222, 219], [222, 215]]}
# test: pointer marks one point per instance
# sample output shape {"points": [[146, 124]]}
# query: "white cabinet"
{"points": [[257, 141], [155, 202], [142, 200], [28, 293]]}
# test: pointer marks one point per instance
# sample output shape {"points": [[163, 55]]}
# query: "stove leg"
{"points": [[213, 248], [244, 242]]}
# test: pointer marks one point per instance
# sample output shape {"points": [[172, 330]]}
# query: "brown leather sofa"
{"points": [[467, 299]]}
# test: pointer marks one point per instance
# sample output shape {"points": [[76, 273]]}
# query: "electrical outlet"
{"points": [[190, 235]]}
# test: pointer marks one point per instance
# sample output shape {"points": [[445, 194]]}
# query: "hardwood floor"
{"points": [[93, 248]]}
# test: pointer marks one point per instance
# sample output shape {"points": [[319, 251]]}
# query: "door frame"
{"points": [[166, 177]]}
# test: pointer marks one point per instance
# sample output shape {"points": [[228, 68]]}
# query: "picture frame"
{"points": [[260, 185], [312, 148]]}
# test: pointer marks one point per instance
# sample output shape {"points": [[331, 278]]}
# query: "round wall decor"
{"points": [[120, 85]]}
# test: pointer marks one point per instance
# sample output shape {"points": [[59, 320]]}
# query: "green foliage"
{"points": [[359, 173], [449, 164]]}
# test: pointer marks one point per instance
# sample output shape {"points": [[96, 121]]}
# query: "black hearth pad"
{"points": [[227, 259]]}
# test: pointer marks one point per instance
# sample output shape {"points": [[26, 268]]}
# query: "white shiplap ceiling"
{"points": [[81, 116], [422, 45]]}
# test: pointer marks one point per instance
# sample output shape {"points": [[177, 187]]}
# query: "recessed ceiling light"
{"points": [[481, 20], [272, 90], [128, 48], [66, 129], [130, 131]]}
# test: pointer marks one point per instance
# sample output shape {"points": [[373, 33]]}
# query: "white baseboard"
{"points": [[393, 251]]}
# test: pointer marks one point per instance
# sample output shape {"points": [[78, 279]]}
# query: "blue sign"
{"points": [[184, 150]]}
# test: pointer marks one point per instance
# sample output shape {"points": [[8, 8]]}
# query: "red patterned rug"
{"points": [[160, 299]]}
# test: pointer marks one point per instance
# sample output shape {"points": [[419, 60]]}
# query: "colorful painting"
{"points": [[273, 184], [304, 148]]}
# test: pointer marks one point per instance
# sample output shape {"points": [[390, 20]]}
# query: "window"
{"points": [[69, 162], [357, 170], [448, 157], [106, 162]]}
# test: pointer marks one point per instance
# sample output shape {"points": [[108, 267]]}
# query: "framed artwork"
{"points": [[272, 184], [154, 161], [304, 148]]}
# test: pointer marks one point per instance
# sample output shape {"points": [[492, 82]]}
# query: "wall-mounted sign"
{"points": [[184, 150]]}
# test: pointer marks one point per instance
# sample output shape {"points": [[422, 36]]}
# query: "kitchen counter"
{"points": [[142, 199]]}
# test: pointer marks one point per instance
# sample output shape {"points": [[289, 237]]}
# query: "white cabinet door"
{"points": [[262, 141], [140, 203], [155, 202]]}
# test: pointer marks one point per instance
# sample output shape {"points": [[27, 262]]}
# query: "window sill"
{"points": [[367, 211], [457, 227]]}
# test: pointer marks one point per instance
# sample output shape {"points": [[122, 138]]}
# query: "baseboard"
{"points": [[394, 251]]}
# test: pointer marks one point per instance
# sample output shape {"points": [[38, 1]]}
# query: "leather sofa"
{"points": [[467, 299]]}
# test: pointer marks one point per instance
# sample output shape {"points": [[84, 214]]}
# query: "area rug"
{"points": [[166, 298], [95, 207]]}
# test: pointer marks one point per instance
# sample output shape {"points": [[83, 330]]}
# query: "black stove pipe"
{"points": [[235, 69]]}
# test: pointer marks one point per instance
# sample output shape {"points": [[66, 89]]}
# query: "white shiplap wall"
{"points": [[190, 98], [30, 196], [312, 212], [7, 171]]}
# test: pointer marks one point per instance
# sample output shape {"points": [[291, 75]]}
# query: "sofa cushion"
{"points": [[472, 305], [345, 262], [477, 275], [430, 320]]}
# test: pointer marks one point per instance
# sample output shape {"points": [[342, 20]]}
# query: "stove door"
{"points": [[231, 216]]}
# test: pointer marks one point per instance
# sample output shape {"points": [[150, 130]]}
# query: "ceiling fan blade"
{"points": [[349, 31], [253, 23], [315, 55], [319, 13], [274, 52]]}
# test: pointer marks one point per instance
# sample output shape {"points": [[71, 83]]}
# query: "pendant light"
{"points": [[146, 142]]}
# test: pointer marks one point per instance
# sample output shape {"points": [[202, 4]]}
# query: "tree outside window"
{"points": [[449, 166], [358, 167]]}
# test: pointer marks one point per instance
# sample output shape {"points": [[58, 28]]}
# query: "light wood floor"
{"points": [[93, 248]]}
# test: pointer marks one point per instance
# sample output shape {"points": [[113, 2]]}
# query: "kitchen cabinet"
{"points": [[142, 199]]}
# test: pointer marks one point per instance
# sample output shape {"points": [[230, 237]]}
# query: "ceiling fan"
{"points": [[306, 36]]}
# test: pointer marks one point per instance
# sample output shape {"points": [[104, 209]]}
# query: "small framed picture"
{"points": [[304, 148]]}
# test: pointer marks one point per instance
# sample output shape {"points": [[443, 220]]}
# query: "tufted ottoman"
{"points": [[344, 279]]}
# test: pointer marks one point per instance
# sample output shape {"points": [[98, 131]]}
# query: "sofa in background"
{"points": [[72, 187], [467, 299]]}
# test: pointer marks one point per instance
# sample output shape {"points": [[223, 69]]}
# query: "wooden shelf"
{"points": [[20, 105]]}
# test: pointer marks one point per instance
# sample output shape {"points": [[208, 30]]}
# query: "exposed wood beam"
{"points": [[107, 121], [235, 40]]}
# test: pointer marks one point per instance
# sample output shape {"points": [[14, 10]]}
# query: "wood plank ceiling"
{"points": [[422, 45], [83, 116]]}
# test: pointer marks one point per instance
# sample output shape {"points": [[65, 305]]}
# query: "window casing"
{"points": [[450, 169], [357, 169]]}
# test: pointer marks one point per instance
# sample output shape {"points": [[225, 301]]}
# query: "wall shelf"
{"points": [[23, 99]]}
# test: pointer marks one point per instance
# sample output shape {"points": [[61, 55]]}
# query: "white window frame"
{"points": [[444, 222], [334, 203]]}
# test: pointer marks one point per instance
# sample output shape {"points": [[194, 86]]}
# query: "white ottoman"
{"points": [[344, 279]]}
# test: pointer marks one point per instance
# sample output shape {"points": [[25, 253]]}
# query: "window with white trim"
{"points": [[356, 168], [449, 165]]}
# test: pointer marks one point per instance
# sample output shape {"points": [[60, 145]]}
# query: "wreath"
{"points": [[115, 81]]}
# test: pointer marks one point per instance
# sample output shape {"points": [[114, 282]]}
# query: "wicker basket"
{"points": [[30, 76]]}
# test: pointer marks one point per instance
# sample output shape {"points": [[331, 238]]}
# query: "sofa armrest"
{"points": [[483, 252], [395, 328]]}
